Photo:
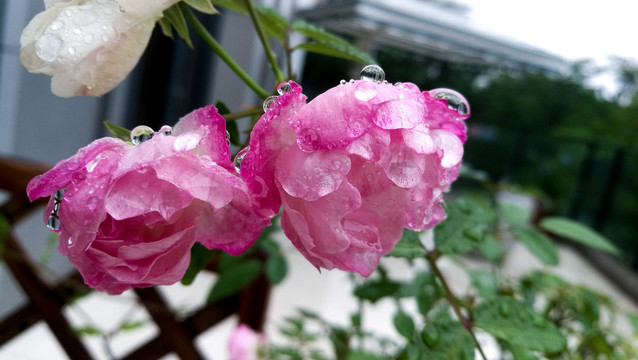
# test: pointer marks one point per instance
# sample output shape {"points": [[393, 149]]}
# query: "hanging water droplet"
{"points": [[342, 82], [53, 223], [285, 87], [227, 138], [372, 73], [166, 130], [56, 207], [269, 101], [141, 134], [455, 101], [70, 241], [240, 157], [58, 195]]}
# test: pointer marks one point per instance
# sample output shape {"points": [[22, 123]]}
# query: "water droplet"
{"points": [[335, 165], [56, 207], [57, 25], [342, 82], [372, 73], [48, 46], [91, 203], [53, 223], [455, 101], [141, 134], [365, 94], [77, 31], [285, 87], [166, 130], [58, 195], [88, 38], [227, 138], [70, 241], [240, 157], [269, 101]]}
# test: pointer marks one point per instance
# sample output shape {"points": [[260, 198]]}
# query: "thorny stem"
{"points": [[264, 41], [217, 48], [431, 258], [241, 114]]}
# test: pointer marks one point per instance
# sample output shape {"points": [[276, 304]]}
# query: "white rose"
{"points": [[89, 46]]}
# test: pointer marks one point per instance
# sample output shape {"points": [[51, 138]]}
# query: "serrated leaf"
{"points": [[518, 324], [485, 282], [205, 6], [446, 340], [117, 131], [465, 227], [538, 244], [200, 256], [276, 268], [409, 246], [175, 17], [577, 232], [233, 279], [347, 52], [404, 324]]}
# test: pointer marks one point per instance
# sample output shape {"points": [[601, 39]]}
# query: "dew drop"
{"points": [[70, 241], [269, 101], [342, 82], [71, 50], [285, 87], [372, 73], [141, 134], [240, 157], [227, 138], [88, 38], [58, 195], [455, 101], [48, 46], [166, 130], [77, 31], [57, 25], [53, 223]]}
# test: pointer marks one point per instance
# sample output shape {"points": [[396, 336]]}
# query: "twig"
{"points": [[264, 41]]}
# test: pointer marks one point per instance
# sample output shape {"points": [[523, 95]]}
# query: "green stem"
{"points": [[467, 324], [210, 41], [241, 114], [264, 41]]}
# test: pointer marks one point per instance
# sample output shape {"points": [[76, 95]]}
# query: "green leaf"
{"points": [[88, 330], [485, 282], [132, 325], [518, 324], [175, 17], [464, 228], [375, 290], [538, 244], [404, 324], [347, 52], [233, 279], [409, 246], [514, 214], [491, 249], [577, 232], [522, 354], [273, 23], [633, 319], [117, 132], [167, 28], [446, 340], [316, 33], [200, 256], [276, 268], [205, 6], [363, 355]]}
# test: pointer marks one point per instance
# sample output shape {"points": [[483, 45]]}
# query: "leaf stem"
{"points": [[217, 48], [264, 41], [467, 324], [241, 114]]}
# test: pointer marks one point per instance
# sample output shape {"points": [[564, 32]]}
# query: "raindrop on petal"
{"points": [[48, 46], [240, 157], [269, 101], [166, 130], [58, 195], [227, 138], [141, 134], [455, 101], [342, 82], [53, 223], [372, 73], [285, 87]]}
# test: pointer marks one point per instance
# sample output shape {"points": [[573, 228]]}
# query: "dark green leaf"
{"points": [[491, 249], [273, 23], [348, 52], [276, 268], [117, 132], [363, 355], [522, 354], [404, 324], [409, 246], [376, 289], [88, 330], [447, 340], [577, 232], [175, 17], [518, 324], [200, 256], [316, 33], [538, 244], [232, 280], [204, 6], [167, 28], [485, 282], [464, 228]]}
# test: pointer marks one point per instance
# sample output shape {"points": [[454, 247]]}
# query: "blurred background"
{"points": [[552, 85]]}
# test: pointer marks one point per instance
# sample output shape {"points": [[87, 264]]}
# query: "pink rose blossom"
{"points": [[244, 343], [355, 166], [131, 214]]}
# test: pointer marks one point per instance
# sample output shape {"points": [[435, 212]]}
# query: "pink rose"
{"points": [[131, 213], [244, 343], [89, 46], [355, 166]]}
